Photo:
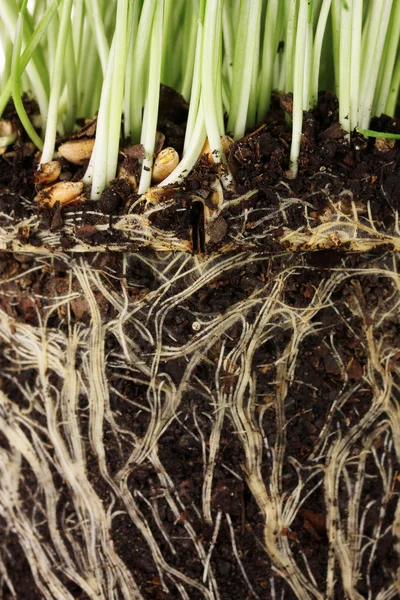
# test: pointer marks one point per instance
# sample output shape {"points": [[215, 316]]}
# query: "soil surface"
{"points": [[274, 338], [341, 185]]}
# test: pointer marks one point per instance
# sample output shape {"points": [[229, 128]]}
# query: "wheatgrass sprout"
{"points": [[188, 57], [375, 37], [195, 128], [195, 92], [269, 48], [211, 96], [16, 79], [40, 30], [98, 27], [105, 153], [6, 54], [394, 90], [77, 58], [57, 81], [317, 50], [390, 52], [38, 77], [299, 83], [130, 62], [139, 65], [149, 128], [244, 59]]}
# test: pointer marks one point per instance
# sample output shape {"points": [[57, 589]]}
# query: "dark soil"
{"points": [[333, 173], [369, 176]]}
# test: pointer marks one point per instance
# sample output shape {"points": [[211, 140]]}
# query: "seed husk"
{"points": [[155, 195], [217, 195], [384, 145], [123, 172], [77, 152], [226, 142], [63, 192], [207, 151], [6, 128], [164, 164], [8, 135], [48, 173]]}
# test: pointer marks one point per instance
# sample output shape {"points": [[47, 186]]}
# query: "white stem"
{"points": [[97, 168], [117, 89], [290, 44], [390, 59], [344, 66], [394, 90], [307, 67], [300, 55], [153, 96], [227, 30], [244, 64], [141, 52], [356, 30], [196, 89], [378, 29], [318, 40], [336, 14], [188, 63], [56, 83], [270, 47], [208, 77], [192, 152], [97, 23]]}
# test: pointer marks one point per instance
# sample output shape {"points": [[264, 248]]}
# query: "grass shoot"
{"points": [[142, 376]]}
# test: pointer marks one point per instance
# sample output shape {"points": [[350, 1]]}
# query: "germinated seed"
{"points": [[48, 173], [166, 161], [63, 192], [77, 151]]}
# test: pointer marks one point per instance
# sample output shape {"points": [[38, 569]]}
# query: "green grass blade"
{"points": [[15, 80], [379, 134]]}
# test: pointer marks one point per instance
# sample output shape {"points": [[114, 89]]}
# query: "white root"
{"points": [[69, 388]]}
